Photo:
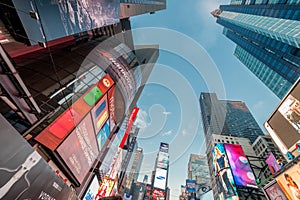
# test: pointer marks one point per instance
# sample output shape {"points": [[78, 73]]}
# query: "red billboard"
{"points": [[129, 125], [157, 194], [79, 150]]}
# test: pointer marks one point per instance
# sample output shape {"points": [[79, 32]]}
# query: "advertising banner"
{"points": [[103, 135], [79, 150], [112, 108], [289, 182], [92, 191], [157, 194], [160, 179], [224, 177], [290, 110], [274, 192], [106, 187], [272, 163], [163, 160], [24, 173], [66, 17], [164, 147], [100, 113], [240, 167], [190, 185]]}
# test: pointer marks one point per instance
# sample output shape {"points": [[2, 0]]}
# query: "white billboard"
{"points": [[160, 179], [163, 160]]}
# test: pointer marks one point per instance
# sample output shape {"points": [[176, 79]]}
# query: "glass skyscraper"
{"points": [[267, 34]]}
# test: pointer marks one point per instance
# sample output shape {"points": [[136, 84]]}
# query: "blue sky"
{"points": [[194, 57]]}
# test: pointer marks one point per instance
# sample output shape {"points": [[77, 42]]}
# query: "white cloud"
{"points": [[167, 133], [184, 132], [259, 106], [141, 120], [166, 113]]}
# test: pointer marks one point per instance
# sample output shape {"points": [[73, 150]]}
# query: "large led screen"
{"points": [[163, 160], [164, 147], [289, 182], [284, 123], [100, 113], [272, 163], [103, 135], [191, 185], [274, 192], [24, 173], [92, 191], [65, 17], [160, 179], [79, 150], [225, 182], [157, 194], [240, 167]]}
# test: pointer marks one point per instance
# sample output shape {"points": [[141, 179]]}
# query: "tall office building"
{"points": [[267, 37], [225, 117]]}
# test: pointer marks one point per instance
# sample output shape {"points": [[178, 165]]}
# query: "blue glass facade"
{"points": [[267, 34]]}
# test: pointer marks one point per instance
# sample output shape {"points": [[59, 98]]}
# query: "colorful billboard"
{"points": [[225, 182], [66, 17], [160, 179], [103, 135], [79, 150], [240, 167], [274, 192], [100, 113], [112, 108], [92, 191], [163, 160], [157, 194], [272, 163], [164, 147], [106, 187], [289, 182], [190, 185], [24, 173], [290, 109]]}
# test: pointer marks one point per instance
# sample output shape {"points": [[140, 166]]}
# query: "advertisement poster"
{"points": [[224, 177], [66, 17], [163, 160], [272, 163], [240, 167], [274, 192], [100, 113], [157, 194], [289, 182], [160, 179], [191, 186], [164, 147], [24, 173], [79, 150], [106, 187], [290, 109], [92, 191], [103, 135]]}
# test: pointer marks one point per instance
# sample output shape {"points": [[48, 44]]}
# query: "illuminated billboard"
{"points": [[157, 194], [225, 182], [284, 123], [289, 182], [274, 192], [100, 113], [272, 163], [79, 150], [106, 187], [160, 179], [24, 173], [190, 185], [103, 135], [240, 167], [164, 147], [163, 160], [66, 17], [92, 191]]}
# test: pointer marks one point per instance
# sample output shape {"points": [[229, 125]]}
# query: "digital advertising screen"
{"points": [[272, 163], [225, 182], [163, 160], [157, 194], [66, 17], [284, 123], [112, 108], [240, 167], [24, 173], [160, 179], [79, 150], [100, 113], [92, 191], [164, 147], [106, 187], [191, 185], [103, 135], [274, 192], [289, 182]]}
